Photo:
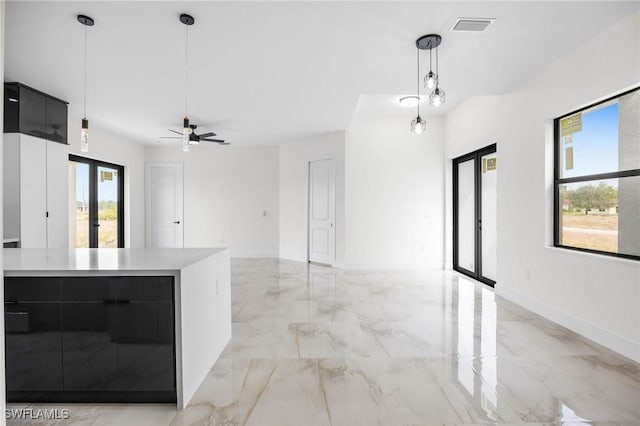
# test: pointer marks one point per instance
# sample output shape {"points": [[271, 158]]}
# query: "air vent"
{"points": [[472, 24]]}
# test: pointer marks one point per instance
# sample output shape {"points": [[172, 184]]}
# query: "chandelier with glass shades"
{"points": [[431, 79]]}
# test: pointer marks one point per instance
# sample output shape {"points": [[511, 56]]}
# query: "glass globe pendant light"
{"points": [[84, 130], [436, 98], [418, 125], [431, 79], [187, 20]]}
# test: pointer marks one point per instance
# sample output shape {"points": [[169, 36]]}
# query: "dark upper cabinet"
{"points": [[32, 112], [56, 121]]}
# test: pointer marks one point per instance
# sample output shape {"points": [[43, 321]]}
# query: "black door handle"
{"points": [[177, 222], [97, 225]]}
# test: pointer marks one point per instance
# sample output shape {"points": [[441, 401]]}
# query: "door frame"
{"points": [[310, 160], [93, 197], [477, 214], [147, 195]]}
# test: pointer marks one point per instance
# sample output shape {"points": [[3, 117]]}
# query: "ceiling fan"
{"points": [[194, 138]]}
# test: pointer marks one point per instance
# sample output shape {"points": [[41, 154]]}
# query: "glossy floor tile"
{"points": [[319, 346]]}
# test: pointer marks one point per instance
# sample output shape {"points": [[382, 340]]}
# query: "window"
{"points": [[96, 218], [597, 177]]}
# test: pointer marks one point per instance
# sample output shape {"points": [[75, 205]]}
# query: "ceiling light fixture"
{"points": [[432, 80], [84, 132], [418, 125], [187, 20], [409, 101]]}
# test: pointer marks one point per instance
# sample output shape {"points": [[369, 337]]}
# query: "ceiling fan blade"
{"points": [[213, 140], [175, 131], [207, 135], [169, 137]]}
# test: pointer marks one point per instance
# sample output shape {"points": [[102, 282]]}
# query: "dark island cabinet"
{"points": [[110, 339], [31, 112]]}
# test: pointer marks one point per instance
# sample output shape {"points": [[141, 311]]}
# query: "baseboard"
{"points": [[614, 342]]}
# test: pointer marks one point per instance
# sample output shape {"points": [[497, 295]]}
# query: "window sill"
{"points": [[594, 256]]}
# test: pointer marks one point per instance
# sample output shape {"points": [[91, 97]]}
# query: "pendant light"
{"points": [[432, 80], [418, 125], [84, 132], [187, 20], [436, 98]]}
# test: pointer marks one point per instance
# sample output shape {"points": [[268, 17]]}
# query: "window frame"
{"points": [[558, 181], [93, 197]]}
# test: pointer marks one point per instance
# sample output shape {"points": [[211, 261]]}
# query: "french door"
{"points": [[474, 214], [96, 192]]}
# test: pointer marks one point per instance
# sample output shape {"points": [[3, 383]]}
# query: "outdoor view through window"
{"points": [[93, 219], [598, 177]]}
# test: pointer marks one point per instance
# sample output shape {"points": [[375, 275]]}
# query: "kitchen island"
{"points": [[114, 325]]}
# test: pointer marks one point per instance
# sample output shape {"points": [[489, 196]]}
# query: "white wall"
{"points": [[394, 188], [293, 181], [226, 191], [596, 296], [3, 400], [113, 148]]}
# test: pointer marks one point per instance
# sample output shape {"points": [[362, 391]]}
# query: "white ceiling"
{"points": [[267, 72]]}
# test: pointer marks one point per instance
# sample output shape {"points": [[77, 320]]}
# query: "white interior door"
{"points": [[164, 188], [321, 212]]}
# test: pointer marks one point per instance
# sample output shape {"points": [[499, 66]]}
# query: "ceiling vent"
{"points": [[472, 24]]}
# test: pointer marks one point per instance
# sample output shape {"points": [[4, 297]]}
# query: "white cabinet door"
{"points": [[11, 185], [57, 195], [33, 193]]}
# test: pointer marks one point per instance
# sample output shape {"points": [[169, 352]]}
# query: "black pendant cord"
{"points": [[430, 58], [418, 79], [85, 73], [186, 70], [437, 71]]}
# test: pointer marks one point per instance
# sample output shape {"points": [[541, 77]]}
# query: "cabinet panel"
{"points": [[57, 195], [11, 185], [89, 346], [32, 112], [150, 289], [145, 347], [11, 108], [56, 120], [33, 347], [31, 289], [33, 193]]}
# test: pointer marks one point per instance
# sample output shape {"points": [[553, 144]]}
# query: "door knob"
{"points": [[177, 222]]}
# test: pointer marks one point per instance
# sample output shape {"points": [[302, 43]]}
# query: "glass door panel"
{"points": [[466, 215], [488, 216], [475, 214], [79, 188], [107, 179], [96, 208]]}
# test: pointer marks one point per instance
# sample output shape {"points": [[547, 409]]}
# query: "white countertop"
{"points": [[102, 260]]}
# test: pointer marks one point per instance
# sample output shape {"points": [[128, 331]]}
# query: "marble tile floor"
{"points": [[319, 346]]}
